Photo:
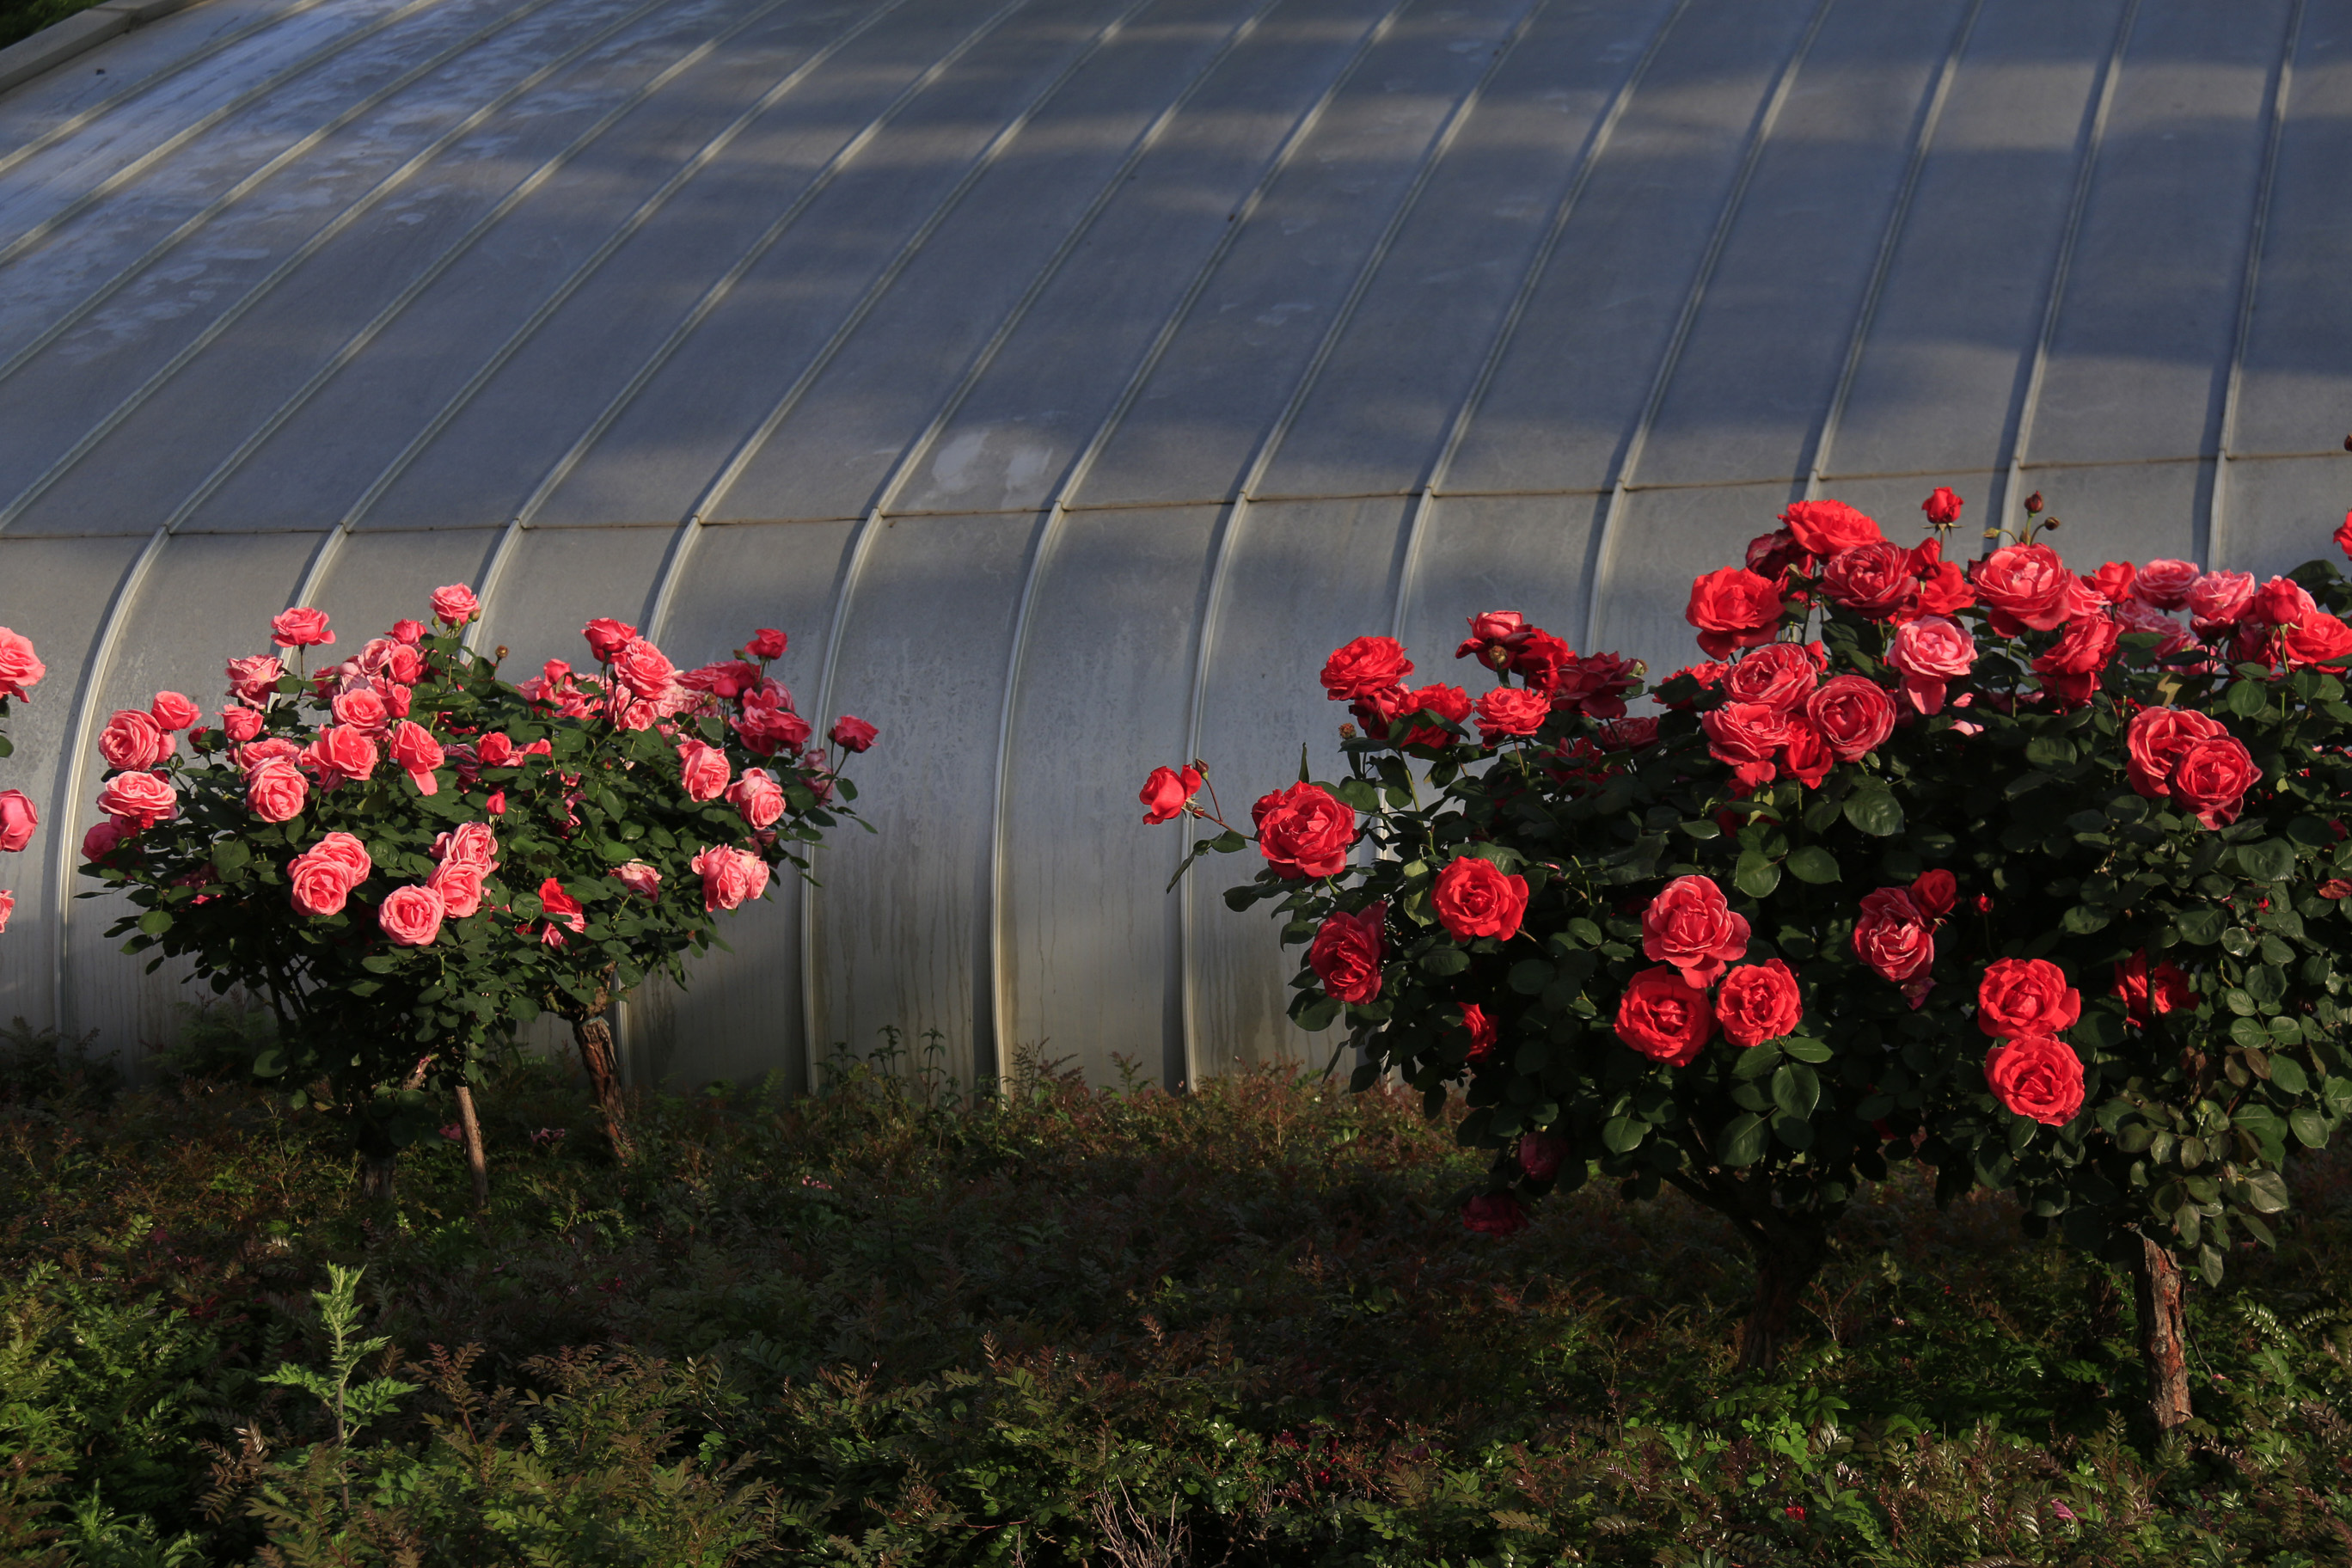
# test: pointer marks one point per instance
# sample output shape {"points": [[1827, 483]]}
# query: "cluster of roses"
{"points": [[20, 669], [1697, 939], [1368, 674]]}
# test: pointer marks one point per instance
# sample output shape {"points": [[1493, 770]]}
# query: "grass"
{"points": [[885, 1325]]}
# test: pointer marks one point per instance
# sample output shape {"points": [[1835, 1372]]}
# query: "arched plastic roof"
{"points": [[1068, 376]]}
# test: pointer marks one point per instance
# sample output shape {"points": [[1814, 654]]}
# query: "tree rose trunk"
{"points": [[475, 1163], [595, 1038], [1785, 1265], [376, 1172], [2163, 1334]]}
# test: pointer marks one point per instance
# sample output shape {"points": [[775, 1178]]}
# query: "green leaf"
{"points": [[2048, 751], [1743, 1141], [1796, 1134], [155, 922], [2266, 1193], [2083, 920], [2288, 1075], [2268, 861], [1623, 1134], [1444, 960], [1796, 1090], [1812, 863], [2201, 926], [2306, 1126], [1874, 810], [2246, 698], [1756, 876], [1529, 977], [1802, 1048]]}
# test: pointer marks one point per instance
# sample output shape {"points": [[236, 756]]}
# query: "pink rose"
{"points": [[255, 679], [276, 791], [417, 753], [20, 668], [341, 753], [640, 878], [301, 629], [455, 604], [640, 666], [853, 734], [767, 643], [1778, 676], [2135, 615], [1875, 580], [606, 637], [2218, 600], [17, 821], [340, 849], [1744, 736], [758, 796], [320, 884], [142, 800], [132, 738], [705, 769], [410, 916], [2164, 585], [277, 748], [173, 712], [1892, 936], [388, 659], [2210, 777], [1691, 926], [102, 840], [459, 885], [2024, 586], [730, 877], [1931, 651], [239, 722], [468, 843], [7, 907], [363, 710], [407, 632], [2155, 741], [769, 726]]}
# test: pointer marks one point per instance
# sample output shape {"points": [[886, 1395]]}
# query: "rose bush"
{"points": [[2009, 869], [21, 669], [406, 858]]}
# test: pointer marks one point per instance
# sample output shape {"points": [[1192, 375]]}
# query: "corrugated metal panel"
{"points": [[1068, 375]]}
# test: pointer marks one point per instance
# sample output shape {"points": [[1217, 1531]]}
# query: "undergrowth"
{"points": [[890, 1325]]}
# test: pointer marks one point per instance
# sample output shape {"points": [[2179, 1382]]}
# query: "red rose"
{"points": [[8, 908], [2319, 638], [1164, 795], [705, 770], [455, 604], [2164, 585], [1691, 926], [852, 734], [2112, 582], [2281, 602], [1759, 1002], [301, 629], [173, 712], [564, 911], [1365, 666], [1629, 734], [767, 643], [410, 916], [1495, 1213], [1540, 1155], [2021, 996], [1779, 675], [1511, 711], [1541, 659], [1935, 893], [19, 819], [2155, 741], [2036, 1076], [1494, 631], [20, 668], [2146, 992], [1663, 1016], [2219, 600], [2344, 535], [1304, 831], [607, 637], [1942, 507], [2024, 586], [142, 800], [1827, 528], [459, 885], [1594, 686], [1874, 580], [1774, 555], [758, 797], [2211, 777], [1854, 715], [1474, 897], [1733, 608], [1930, 652], [1347, 951], [1744, 736], [277, 791], [132, 738], [2071, 667], [1483, 1032], [1892, 936], [1943, 589], [1450, 703], [1805, 755]]}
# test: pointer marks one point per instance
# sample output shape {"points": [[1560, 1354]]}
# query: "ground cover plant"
{"points": [[2006, 869], [894, 1324]]}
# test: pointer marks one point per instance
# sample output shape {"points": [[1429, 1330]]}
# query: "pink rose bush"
{"points": [[1740, 942], [21, 669], [407, 857]]}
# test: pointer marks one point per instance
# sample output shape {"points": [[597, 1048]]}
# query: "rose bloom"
{"points": [[455, 605], [1483, 1032], [606, 637], [1628, 734], [1492, 635], [1942, 507], [769, 728], [390, 659], [640, 666], [142, 800], [1943, 590], [1759, 1002], [239, 722], [2319, 639], [1935, 893], [2071, 667], [1304, 831], [1495, 1213], [2023, 586], [1365, 666], [277, 748], [1664, 1016], [562, 912], [1450, 703], [1733, 608], [7, 907], [705, 770], [459, 885], [1774, 555], [1805, 756], [342, 849], [18, 820], [1744, 736], [1931, 651], [301, 629], [102, 840], [2036, 1076], [410, 916], [417, 753], [2155, 741], [2146, 992], [342, 752], [1892, 936], [1854, 715], [255, 679], [132, 738], [1874, 580], [1692, 927], [1829, 527], [1511, 711], [172, 711], [20, 668], [1347, 951], [758, 796], [639, 879], [1540, 1155], [2026, 996], [2219, 600], [2112, 582], [2164, 585], [318, 884], [276, 791], [2211, 777], [2135, 616], [852, 734], [472, 843], [767, 643], [1475, 898], [1541, 658], [1779, 675], [1164, 795], [361, 708], [730, 877]]}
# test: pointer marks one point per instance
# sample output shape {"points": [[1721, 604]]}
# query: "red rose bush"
{"points": [[21, 669], [2031, 874]]}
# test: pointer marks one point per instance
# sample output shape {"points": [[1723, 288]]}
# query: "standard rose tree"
{"points": [[2032, 875], [407, 859], [20, 670]]}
